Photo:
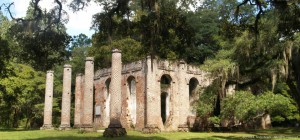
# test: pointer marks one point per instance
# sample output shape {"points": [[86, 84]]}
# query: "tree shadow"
{"points": [[219, 138], [276, 131], [16, 129], [128, 137]]}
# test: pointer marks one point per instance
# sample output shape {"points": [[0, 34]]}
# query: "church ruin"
{"points": [[154, 95]]}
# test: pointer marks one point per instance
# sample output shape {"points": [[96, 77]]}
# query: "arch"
{"points": [[107, 83], [165, 81], [107, 101], [131, 88], [193, 96], [165, 86]]}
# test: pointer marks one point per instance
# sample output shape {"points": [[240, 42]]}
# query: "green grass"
{"points": [[275, 133]]}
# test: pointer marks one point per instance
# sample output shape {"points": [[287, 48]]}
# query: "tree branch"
{"points": [[10, 14], [258, 15], [236, 13]]}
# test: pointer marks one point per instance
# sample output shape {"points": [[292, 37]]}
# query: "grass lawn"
{"points": [[275, 133]]}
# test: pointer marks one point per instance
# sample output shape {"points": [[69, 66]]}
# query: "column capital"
{"points": [[115, 50], [89, 59], [67, 66], [50, 71]]}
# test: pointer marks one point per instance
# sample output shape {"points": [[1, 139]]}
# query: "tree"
{"points": [[131, 51], [287, 11], [54, 17], [37, 44], [4, 47], [256, 62], [205, 22], [162, 33], [78, 52], [20, 96], [246, 107]]}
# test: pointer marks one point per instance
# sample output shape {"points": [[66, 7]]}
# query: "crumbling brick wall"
{"points": [[178, 105]]}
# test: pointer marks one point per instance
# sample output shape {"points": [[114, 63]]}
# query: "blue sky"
{"points": [[79, 22]]}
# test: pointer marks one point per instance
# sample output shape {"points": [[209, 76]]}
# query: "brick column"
{"points": [[88, 100], [82, 101], [66, 98], [78, 100], [48, 101], [151, 111], [183, 99], [115, 128]]}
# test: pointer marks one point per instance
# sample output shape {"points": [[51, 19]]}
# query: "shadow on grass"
{"points": [[217, 138], [101, 138], [16, 129], [276, 131]]}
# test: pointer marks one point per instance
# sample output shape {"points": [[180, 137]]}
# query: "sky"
{"points": [[79, 22]]}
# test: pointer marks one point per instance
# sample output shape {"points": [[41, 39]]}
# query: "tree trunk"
{"points": [[16, 118]]}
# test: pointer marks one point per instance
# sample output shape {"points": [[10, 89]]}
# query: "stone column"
{"points": [[78, 100], [183, 99], [48, 101], [151, 111], [115, 128], [88, 99], [66, 98]]}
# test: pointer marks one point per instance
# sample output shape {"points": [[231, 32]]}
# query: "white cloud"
{"points": [[79, 22]]}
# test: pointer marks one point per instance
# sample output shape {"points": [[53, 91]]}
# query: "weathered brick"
{"points": [[48, 101], [87, 122], [147, 75], [66, 97], [78, 100]]}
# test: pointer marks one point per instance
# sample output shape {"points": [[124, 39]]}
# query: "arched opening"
{"points": [[165, 82], [131, 84], [107, 102], [193, 96], [163, 105], [165, 86]]}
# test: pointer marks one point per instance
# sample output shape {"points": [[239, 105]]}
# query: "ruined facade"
{"points": [[149, 95], [155, 94]]}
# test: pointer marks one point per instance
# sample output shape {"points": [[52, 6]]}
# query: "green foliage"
{"points": [[78, 51], [22, 91], [245, 107], [131, 51], [4, 56], [258, 63], [206, 101], [205, 22], [163, 32], [35, 42], [206, 105], [42, 49], [215, 120], [4, 46]]}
